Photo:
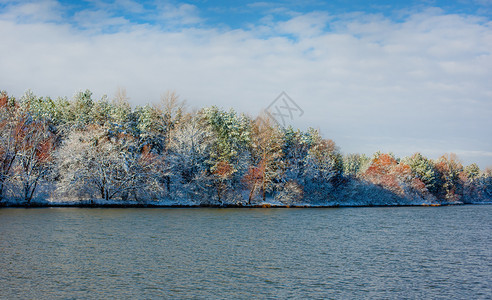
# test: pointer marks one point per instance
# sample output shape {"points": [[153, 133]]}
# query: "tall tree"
{"points": [[424, 169], [9, 130], [228, 152], [36, 144], [102, 164], [355, 164], [381, 172], [394, 175], [323, 167], [296, 145], [266, 168], [187, 161], [449, 169]]}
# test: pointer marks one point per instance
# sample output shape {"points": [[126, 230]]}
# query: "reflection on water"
{"points": [[406, 252]]}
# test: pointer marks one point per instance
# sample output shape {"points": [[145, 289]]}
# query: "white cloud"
{"points": [[27, 11], [98, 20], [306, 25], [369, 83], [182, 14], [132, 6]]}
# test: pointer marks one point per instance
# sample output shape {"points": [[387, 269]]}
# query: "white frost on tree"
{"points": [[95, 164], [187, 157]]}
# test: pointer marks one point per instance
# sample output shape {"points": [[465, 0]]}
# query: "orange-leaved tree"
{"points": [[385, 171], [8, 131], [450, 172], [36, 144], [266, 153]]}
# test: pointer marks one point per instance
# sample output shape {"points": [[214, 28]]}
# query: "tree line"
{"points": [[80, 148]]}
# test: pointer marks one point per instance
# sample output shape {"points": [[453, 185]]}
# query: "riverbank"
{"points": [[101, 203]]}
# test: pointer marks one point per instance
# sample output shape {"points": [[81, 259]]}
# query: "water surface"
{"points": [[394, 252]]}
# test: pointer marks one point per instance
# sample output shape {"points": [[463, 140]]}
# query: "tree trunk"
{"points": [[26, 195], [251, 193], [263, 189], [219, 193], [168, 184], [2, 181]]}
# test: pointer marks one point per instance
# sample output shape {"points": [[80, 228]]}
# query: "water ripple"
{"points": [[407, 252]]}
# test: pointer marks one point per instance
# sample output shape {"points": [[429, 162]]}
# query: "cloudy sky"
{"points": [[406, 77]]}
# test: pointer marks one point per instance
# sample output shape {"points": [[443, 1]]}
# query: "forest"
{"points": [[84, 151]]}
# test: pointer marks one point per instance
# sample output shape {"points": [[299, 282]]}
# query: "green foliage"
{"points": [[266, 167], [7, 101], [449, 169], [39, 107], [355, 164], [232, 133], [81, 109], [425, 170], [296, 145], [147, 119], [151, 127], [62, 111], [228, 156], [378, 153], [101, 112], [472, 172], [213, 154], [323, 156], [121, 111]]}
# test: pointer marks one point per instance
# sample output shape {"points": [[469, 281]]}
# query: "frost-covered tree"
{"points": [[473, 184], [124, 119], [229, 151], [150, 127], [266, 167], [36, 144], [449, 170], [26, 145], [62, 116], [79, 113], [296, 145], [112, 151], [156, 126], [323, 167], [484, 184], [386, 172], [186, 161], [289, 192], [9, 146], [98, 163], [295, 149], [39, 108], [101, 113], [405, 178], [424, 169], [355, 164], [173, 111], [472, 172]]}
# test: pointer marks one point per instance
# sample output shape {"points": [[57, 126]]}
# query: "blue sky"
{"points": [[238, 14], [242, 14], [401, 76]]}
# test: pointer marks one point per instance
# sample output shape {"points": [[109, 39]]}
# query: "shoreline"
{"points": [[263, 205]]}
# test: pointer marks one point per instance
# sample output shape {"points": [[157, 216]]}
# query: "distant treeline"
{"points": [[80, 148]]}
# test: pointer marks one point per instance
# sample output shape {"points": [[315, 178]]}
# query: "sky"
{"points": [[399, 76]]}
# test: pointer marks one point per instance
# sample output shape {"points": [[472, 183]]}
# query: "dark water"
{"points": [[406, 252]]}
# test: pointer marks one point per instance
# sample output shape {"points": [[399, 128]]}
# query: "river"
{"points": [[340, 253]]}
